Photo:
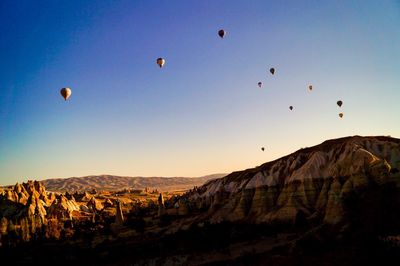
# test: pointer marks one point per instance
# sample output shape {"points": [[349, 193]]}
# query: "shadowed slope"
{"points": [[312, 184]]}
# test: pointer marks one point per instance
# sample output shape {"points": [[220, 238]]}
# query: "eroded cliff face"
{"points": [[25, 200], [313, 185], [28, 211]]}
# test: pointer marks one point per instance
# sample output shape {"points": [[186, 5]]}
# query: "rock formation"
{"points": [[94, 205], [108, 203], [161, 207], [62, 208], [119, 217], [311, 184], [27, 209], [86, 196], [25, 204]]}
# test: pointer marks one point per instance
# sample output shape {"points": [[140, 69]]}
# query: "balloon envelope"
{"points": [[160, 62], [339, 103], [65, 93], [291, 107], [310, 87], [262, 148], [272, 70], [340, 115], [259, 84], [221, 33]]}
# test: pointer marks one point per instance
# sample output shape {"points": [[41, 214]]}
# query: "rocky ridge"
{"points": [[310, 185]]}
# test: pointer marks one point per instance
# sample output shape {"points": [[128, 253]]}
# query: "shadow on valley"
{"points": [[213, 244]]}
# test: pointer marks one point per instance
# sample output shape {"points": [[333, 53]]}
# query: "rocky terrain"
{"points": [[115, 183], [29, 212], [337, 203], [311, 184]]}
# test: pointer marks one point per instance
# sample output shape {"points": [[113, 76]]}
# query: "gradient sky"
{"points": [[203, 112]]}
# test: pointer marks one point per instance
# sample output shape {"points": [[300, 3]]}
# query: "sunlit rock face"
{"points": [[62, 207], [24, 205], [29, 200], [312, 184], [94, 205], [26, 199]]}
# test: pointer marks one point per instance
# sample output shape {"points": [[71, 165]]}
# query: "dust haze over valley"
{"points": [[225, 132]]}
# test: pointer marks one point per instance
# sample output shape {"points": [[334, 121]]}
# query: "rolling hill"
{"points": [[115, 183]]}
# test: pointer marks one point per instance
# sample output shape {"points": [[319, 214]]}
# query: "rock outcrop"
{"points": [[119, 217], [94, 205], [63, 208], [27, 208], [312, 184], [27, 199], [108, 203], [161, 206]]}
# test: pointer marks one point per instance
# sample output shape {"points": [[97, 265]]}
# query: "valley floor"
{"points": [[220, 244]]}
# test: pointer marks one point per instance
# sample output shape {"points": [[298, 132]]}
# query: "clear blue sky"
{"points": [[203, 112]]}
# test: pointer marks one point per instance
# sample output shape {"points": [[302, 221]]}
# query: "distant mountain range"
{"points": [[115, 183]]}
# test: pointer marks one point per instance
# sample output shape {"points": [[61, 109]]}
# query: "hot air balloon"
{"points": [[340, 115], [160, 62], [291, 108], [65, 93], [272, 70], [259, 84], [339, 103], [262, 148], [310, 87], [222, 33]]}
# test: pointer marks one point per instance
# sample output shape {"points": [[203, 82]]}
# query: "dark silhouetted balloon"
{"points": [[260, 84], [262, 148], [222, 33], [66, 93], [291, 107], [310, 87], [160, 62], [339, 103], [272, 70], [341, 115]]}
